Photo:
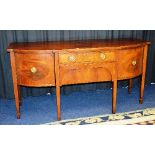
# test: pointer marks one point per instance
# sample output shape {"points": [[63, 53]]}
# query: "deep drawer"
{"points": [[85, 73]]}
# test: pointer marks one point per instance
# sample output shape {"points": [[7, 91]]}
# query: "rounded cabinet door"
{"points": [[129, 63], [35, 69]]}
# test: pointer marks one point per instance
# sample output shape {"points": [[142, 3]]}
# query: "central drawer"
{"points": [[84, 66], [85, 56], [35, 69]]}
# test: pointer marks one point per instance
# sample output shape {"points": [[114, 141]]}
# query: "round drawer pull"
{"points": [[72, 58], [33, 70], [134, 62], [102, 56]]}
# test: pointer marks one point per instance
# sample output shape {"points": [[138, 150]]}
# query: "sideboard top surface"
{"points": [[76, 44]]}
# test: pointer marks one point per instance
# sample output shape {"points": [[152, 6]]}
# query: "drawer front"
{"points": [[85, 73], [35, 69], [83, 56], [130, 63]]}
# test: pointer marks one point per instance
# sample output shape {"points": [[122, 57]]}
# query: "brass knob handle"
{"points": [[33, 69], [72, 58], [102, 56], [134, 62]]}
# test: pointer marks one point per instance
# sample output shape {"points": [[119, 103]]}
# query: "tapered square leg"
{"points": [[142, 90], [19, 94], [130, 86], [18, 101], [143, 75], [57, 86], [15, 84], [114, 94], [58, 102]]}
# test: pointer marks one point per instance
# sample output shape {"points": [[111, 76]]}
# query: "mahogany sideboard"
{"points": [[59, 63]]}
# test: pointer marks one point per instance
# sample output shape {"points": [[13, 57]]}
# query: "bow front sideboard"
{"points": [[58, 63]]}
